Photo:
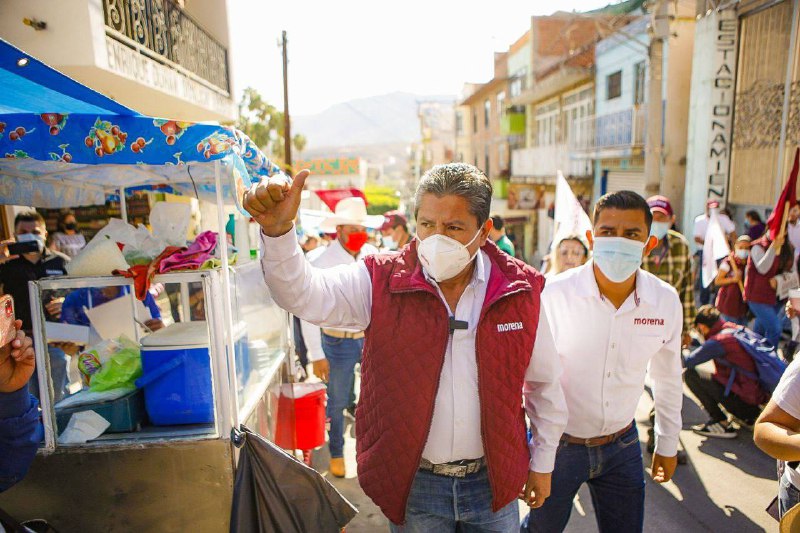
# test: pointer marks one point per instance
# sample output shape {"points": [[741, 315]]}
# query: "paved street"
{"points": [[725, 486]]}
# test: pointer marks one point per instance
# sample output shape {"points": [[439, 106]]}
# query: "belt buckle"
{"points": [[588, 443], [450, 470]]}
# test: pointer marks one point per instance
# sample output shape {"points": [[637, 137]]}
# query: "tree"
{"points": [[299, 142], [263, 123], [381, 199]]}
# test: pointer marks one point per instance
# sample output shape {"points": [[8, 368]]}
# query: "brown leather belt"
{"points": [[596, 441], [343, 334], [454, 469]]}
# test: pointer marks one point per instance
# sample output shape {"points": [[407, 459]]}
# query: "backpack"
{"points": [[769, 365]]}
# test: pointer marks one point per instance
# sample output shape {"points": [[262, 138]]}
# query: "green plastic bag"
{"points": [[121, 370]]}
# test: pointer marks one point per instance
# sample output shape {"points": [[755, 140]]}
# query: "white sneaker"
{"points": [[715, 430]]}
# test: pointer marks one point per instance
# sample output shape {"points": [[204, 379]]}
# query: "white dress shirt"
{"points": [[606, 353], [332, 255], [342, 297]]}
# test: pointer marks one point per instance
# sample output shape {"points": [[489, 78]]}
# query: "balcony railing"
{"points": [[165, 30], [546, 161], [622, 129]]}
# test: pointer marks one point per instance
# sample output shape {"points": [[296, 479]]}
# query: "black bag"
{"points": [[274, 491]]}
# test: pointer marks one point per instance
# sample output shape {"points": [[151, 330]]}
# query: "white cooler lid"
{"points": [[179, 334]]}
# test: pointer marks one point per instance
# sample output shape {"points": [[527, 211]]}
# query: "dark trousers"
{"points": [[615, 476], [300, 344], [711, 394]]}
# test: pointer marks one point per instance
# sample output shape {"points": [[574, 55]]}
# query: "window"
{"points": [[517, 84], [547, 124], [501, 104], [486, 164], [639, 77], [459, 122], [475, 124], [487, 110], [614, 85]]}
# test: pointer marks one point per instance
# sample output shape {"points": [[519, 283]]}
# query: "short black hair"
{"points": [[624, 201], [707, 316], [754, 215], [497, 221], [29, 216]]}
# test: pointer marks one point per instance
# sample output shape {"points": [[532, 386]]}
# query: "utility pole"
{"points": [[659, 32], [287, 134]]}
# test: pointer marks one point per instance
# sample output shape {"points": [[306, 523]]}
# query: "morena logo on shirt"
{"points": [[648, 321], [509, 326]]}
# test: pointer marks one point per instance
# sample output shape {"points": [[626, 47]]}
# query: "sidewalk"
{"points": [[725, 485]]}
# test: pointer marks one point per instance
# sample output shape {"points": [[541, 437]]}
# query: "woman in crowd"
{"points": [[570, 252], [68, 240], [754, 226], [730, 278], [768, 259]]}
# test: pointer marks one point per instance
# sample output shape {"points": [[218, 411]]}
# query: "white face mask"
{"points": [[443, 257], [32, 237], [618, 258], [389, 243]]}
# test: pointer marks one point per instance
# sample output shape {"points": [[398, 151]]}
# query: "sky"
{"points": [[341, 50]]}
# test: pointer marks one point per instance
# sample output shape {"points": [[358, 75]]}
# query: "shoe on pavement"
{"points": [[336, 467], [715, 430]]}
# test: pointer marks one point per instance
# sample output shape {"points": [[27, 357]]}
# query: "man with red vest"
{"points": [[744, 394], [455, 339]]}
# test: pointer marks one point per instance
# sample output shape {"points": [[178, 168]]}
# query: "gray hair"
{"points": [[459, 179]]}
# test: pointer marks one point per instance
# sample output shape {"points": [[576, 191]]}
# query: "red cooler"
{"points": [[301, 416]]}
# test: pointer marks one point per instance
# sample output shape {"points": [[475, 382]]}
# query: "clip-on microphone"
{"points": [[457, 324]]}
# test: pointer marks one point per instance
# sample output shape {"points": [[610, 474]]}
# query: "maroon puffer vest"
{"points": [[756, 285], [729, 298], [402, 362], [744, 387]]}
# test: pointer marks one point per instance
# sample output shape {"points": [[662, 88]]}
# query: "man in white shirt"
{"points": [[441, 441], [611, 322], [334, 352], [793, 230]]}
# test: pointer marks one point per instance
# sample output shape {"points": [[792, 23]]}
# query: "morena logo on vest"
{"points": [[648, 321], [509, 326]]}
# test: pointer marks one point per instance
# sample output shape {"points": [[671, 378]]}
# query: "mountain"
{"points": [[385, 119]]}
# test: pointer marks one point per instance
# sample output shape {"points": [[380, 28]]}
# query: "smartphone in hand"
{"points": [[7, 330]]}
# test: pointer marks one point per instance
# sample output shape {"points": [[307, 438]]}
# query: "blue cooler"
{"points": [[176, 375]]}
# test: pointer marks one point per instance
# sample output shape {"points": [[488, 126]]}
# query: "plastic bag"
{"points": [[170, 222], [121, 370], [98, 258]]}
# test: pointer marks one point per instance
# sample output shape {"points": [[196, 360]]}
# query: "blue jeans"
{"points": [[615, 476], [448, 504], [788, 495], [342, 356], [769, 321]]}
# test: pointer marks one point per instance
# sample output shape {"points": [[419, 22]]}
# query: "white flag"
{"points": [[570, 218], [715, 247]]}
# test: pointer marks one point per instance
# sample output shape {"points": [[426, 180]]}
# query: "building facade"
{"points": [[166, 58], [744, 120]]}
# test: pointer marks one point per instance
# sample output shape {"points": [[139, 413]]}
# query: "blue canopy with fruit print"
{"points": [[63, 144]]}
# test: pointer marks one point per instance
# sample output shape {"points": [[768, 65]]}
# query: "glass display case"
{"points": [[207, 360]]}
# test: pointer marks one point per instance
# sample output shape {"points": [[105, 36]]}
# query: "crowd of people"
{"points": [[475, 389]]}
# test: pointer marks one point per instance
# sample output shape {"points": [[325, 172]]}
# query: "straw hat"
{"points": [[351, 212], [791, 520]]}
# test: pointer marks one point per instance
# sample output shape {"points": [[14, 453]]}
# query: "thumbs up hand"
{"points": [[274, 202]]}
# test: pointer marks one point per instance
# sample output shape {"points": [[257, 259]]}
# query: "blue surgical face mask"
{"points": [[659, 229], [618, 258]]}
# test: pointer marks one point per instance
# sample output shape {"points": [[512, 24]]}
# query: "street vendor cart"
{"points": [[167, 461]]}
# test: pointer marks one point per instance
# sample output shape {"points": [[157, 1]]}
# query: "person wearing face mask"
{"points": [[613, 323], [14, 277], [68, 240], [671, 259], [394, 231], [456, 337], [730, 300], [334, 352], [740, 393]]}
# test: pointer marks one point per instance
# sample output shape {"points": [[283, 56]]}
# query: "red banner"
{"points": [[331, 197]]}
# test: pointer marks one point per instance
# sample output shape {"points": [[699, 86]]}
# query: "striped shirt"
{"points": [[673, 264]]}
